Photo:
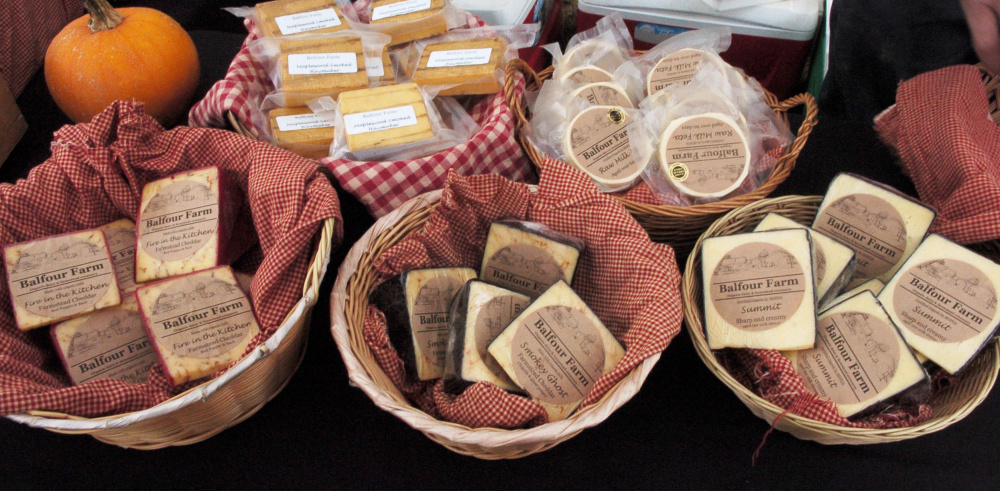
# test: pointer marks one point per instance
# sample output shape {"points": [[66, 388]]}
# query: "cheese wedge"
{"points": [[604, 94], [409, 19], [556, 349], [120, 235], [528, 257], [287, 17], [59, 277], [704, 155], [470, 63], [597, 142], [860, 361], [384, 116], [321, 66], [199, 323], [300, 130], [873, 285], [758, 290], [944, 300], [108, 344]]}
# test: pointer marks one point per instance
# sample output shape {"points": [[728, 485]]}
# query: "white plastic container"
{"points": [[501, 12], [736, 4]]}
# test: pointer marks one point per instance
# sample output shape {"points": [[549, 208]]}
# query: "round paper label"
{"points": [[111, 343], [429, 317], [524, 268], [675, 68], [201, 317], [758, 286], [713, 150], [945, 301], [491, 321], [598, 143], [587, 75], [179, 220], [557, 355], [871, 226], [603, 94], [61, 276]]}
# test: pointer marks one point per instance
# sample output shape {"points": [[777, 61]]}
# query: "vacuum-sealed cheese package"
{"points": [[404, 20], [280, 18], [593, 55], [677, 59]]}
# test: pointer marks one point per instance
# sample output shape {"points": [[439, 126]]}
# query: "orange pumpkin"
{"points": [[130, 53]]}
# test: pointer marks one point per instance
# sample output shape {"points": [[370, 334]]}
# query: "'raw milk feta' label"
{"points": [[704, 155], [179, 220], [459, 57], [112, 344], [322, 63], [758, 286], [307, 21], [599, 143], [870, 226], [557, 354], [675, 68], [201, 317], [429, 318], [306, 121], [603, 94], [945, 301], [61, 276], [380, 120], [400, 8], [523, 268], [491, 321]]}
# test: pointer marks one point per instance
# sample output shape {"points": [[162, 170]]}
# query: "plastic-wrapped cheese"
{"points": [[384, 116], [528, 257], [321, 66], [704, 155], [108, 344], [604, 94], [835, 262], [408, 11], [944, 300], [587, 74], [882, 225], [200, 323], [556, 349], [675, 68], [59, 277], [186, 224], [120, 235], [596, 141], [873, 285], [759, 290], [301, 130], [287, 17], [596, 52], [469, 64], [860, 361]]}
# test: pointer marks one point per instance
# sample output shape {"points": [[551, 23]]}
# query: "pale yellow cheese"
{"points": [[120, 235], [299, 87], [310, 136], [478, 78], [372, 103], [525, 261], [405, 29], [429, 293], [488, 310], [299, 17]]}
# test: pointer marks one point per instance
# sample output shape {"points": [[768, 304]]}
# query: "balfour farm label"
{"points": [[758, 286], [179, 220]]}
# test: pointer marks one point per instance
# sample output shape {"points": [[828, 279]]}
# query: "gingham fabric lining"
{"points": [[95, 175]]}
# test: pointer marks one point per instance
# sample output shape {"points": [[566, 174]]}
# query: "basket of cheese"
{"points": [[155, 299], [839, 319], [501, 319]]}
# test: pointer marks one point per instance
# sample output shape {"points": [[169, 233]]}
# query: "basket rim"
{"points": [[314, 276], [489, 437], [846, 435]]}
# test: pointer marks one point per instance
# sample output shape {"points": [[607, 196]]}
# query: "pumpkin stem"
{"points": [[102, 16]]}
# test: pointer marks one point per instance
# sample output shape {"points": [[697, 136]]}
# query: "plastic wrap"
{"points": [[291, 17], [528, 257], [675, 60], [595, 54], [404, 20]]}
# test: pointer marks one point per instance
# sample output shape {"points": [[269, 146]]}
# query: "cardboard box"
{"points": [[12, 123]]}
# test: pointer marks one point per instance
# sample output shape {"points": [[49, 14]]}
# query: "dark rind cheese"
{"points": [[528, 257]]}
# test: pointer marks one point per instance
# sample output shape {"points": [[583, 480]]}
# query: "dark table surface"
{"points": [[684, 429]]}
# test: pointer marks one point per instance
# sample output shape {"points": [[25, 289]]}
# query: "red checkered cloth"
{"points": [[630, 282], [941, 129], [381, 186], [27, 29], [96, 175]]}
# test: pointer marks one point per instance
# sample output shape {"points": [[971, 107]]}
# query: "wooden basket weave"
{"points": [[348, 306], [678, 226], [203, 411], [949, 405]]}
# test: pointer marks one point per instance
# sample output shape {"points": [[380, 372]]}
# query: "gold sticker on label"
{"points": [[945, 301], [615, 115], [61, 276], [678, 171], [870, 226], [429, 318], [598, 142], [201, 317], [713, 149], [758, 286], [179, 220]]}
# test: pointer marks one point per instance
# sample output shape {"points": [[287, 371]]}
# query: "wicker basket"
{"points": [[203, 411], [678, 226], [949, 405], [348, 305]]}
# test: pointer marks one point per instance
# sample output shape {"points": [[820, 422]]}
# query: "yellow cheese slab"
{"points": [[407, 12], [300, 88], [372, 103], [307, 129], [299, 17], [473, 78], [120, 235]]}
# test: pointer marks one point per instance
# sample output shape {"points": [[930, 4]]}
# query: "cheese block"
{"points": [[381, 68], [882, 225], [944, 300], [758, 290], [108, 344], [185, 224], [199, 323], [287, 17], [417, 306], [860, 361], [678, 67], [321, 66], [835, 262], [556, 349], [528, 257], [302, 131], [120, 235], [873, 285], [704, 155], [596, 52], [596, 141], [409, 19], [469, 64], [587, 74], [604, 94], [384, 116], [479, 313], [59, 277]]}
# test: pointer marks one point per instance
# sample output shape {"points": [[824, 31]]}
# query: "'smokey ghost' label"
{"points": [[429, 319], [522, 267]]}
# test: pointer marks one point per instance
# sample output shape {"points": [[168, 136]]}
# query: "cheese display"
{"points": [[835, 262], [597, 52], [321, 66], [882, 225], [59, 277], [759, 290], [408, 11], [705, 155], [873, 285], [556, 349], [860, 361], [587, 74], [470, 65], [185, 223], [288, 17], [597, 142], [120, 235], [108, 344], [479, 313], [944, 300], [604, 94], [416, 306], [294, 127], [528, 257], [384, 116], [676, 68], [199, 323]]}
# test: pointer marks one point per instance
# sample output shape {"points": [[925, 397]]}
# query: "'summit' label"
{"points": [[322, 63], [758, 286], [380, 120], [598, 142], [179, 220], [945, 300], [429, 318], [399, 8], [870, 226], [307, 21], [459, 57]]}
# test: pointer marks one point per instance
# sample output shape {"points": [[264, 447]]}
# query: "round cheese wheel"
{"points": [[705, 155], [676, 68], [587, 74], [604, 94], [596, 142], [596, 52]]}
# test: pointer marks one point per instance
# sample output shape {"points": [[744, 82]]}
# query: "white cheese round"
{"points": [[705, 155]]}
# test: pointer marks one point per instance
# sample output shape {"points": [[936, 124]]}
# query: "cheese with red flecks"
{"points": [[120, 235]]}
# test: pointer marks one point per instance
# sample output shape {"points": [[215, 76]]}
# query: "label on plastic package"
{"points": [[112, 344], [322, 63], [380, 120], [599, 143], [945, 301], [179, 220], [399, 8], [61, 276], [675, 68], [713, 150], [307, 21], [870, 226], [374, 67], [459, 57], [306, 121], [429, 318], [603, 94], [758, 286]]}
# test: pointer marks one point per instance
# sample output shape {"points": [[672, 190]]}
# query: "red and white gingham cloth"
{"points": [[27, 29], [381, 186], [630, 282], [96, 175], [941, 129]]}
